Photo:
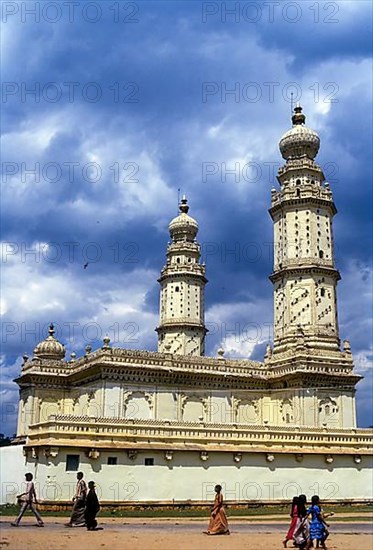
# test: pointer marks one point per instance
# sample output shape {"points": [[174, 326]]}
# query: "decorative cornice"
{"points": [[180, 273], [297, 270], [110, 433], [164, 368], [280, 202]]}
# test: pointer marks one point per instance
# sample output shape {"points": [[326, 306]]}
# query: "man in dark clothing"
{"points": [[92, 506]]}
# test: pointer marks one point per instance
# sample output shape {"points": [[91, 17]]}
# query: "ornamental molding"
{"points": [[241, 400], [108, 432], [313, 366], [136, 393], [286, 402], [314, 268], [195, 398], [281, 202]]}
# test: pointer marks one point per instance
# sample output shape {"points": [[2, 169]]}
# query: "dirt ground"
{"points": [[136, 534]]}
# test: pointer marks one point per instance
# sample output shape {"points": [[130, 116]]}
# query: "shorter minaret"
{"points": [[182, 318]]}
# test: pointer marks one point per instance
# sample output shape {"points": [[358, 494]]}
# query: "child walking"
{"points": [[28, 502], [294, 519], [318, 526]]}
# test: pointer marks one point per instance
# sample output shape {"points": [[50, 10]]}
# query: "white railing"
{"points": [[106, 430]]}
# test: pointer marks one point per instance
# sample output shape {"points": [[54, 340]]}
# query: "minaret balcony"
{"points": [[295, 262], [193, 322], [300, 267], [299, 164], [180, 269], [304, 191], [292, 196], [181, 246]]}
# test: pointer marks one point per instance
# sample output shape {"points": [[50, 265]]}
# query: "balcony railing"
{"points": [[105, 432]]}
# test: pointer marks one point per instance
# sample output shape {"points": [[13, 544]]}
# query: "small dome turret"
{"points": [[300, 141], [50, 348], [183, 227]]}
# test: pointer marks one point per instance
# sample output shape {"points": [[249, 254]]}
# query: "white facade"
{"points": [[187, 477], [121, 415]]}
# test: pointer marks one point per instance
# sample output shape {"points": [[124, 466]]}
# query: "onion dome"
{"points": [[50, 348], [183, 227], [300, 141]]}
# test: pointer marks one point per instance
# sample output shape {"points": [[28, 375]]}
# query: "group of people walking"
{"points": [[303, 532], [307, 533], [85, 507]]}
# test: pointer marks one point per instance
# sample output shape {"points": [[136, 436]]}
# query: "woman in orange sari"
{"points": [[218, 522]]}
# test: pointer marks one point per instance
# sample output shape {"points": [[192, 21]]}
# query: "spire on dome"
{"points": [[298, 117], [183, 227], [50, 348], [299, 141], [184, 206]]}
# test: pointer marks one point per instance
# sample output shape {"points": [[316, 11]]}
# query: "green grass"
{"points": [[251, 512]]}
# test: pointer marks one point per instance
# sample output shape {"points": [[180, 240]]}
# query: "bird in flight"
{"points": [[86, 265]]}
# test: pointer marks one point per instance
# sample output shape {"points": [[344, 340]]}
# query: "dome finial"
{"points": [[183, 227], [298, 117], [50, 348], [183, 206]]}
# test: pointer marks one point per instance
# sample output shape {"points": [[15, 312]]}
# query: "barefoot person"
{"points": [[28, 500], [294, 519], [92, 507], [318, 526], [302, 530], [218, 522], [77, 514], [324, 517]]}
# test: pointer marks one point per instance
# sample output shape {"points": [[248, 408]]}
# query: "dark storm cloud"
{"points": [[152, 117]]}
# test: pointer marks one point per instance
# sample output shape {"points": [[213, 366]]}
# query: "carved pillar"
{"points": [[20, 420]]}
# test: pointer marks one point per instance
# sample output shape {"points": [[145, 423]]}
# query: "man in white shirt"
{"points": [[28, 499], [77, 515]]}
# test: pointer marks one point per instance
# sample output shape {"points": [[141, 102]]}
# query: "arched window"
{"points": [[321, 254], [322, 292], [177, 289], [297, 182]]}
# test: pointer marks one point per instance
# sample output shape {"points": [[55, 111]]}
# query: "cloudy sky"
{"points": [[109, 108]]}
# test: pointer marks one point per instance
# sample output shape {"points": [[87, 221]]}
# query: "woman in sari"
{"points": [[301, 533], [294, 519], [218, 521]]}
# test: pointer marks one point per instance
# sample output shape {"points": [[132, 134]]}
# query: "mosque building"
{"points": [[167, 426]]}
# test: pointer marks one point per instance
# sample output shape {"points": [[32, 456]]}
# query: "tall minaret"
{"points": [[304, 275], [182, 319]]}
